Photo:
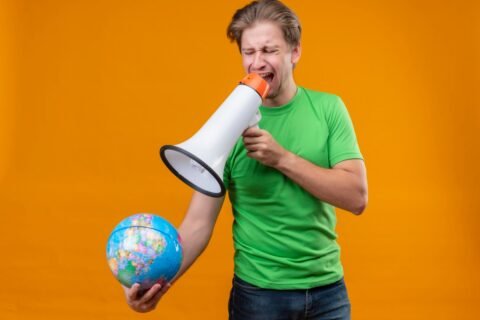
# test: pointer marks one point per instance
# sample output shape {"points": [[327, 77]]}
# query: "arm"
{"points": [[195, 231], [344, 185], [196, 228]]}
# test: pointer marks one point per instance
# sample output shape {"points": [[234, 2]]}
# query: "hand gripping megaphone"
{"points": [[200, 160]]}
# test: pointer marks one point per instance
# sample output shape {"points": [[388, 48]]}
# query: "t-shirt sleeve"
{"points": [[342, 142], [226, 173]]}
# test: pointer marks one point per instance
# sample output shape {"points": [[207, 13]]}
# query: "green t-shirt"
{"points": [[284, 237]]}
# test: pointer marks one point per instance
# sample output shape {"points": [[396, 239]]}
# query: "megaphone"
{"points": [[200, 160]]}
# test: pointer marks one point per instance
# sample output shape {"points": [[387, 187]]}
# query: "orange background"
{"points": [[91, 89]]}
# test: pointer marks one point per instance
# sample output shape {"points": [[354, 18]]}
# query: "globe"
{"points": [[144, 249]]}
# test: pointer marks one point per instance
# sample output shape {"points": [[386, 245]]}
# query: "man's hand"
{"points": [[262, 147], [145, 301]]}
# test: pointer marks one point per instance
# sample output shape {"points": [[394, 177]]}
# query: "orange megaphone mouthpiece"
{"points": [[257, 83]]}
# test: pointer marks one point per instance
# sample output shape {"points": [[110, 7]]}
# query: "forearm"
{"points": [[195, 239], [339, 187], [197, 227]]}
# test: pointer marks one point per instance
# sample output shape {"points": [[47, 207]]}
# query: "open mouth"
{"points": [[267, 76]]}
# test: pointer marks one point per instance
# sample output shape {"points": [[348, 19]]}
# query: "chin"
{"points": [[271, 96], [272, 92]]}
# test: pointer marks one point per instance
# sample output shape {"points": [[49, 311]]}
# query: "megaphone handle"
{"points": [[255, 120]]}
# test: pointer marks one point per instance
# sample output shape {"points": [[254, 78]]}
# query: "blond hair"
{"points": [[265, 10]]}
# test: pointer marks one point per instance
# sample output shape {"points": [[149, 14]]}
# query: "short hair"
{"points": [[265, 10]]}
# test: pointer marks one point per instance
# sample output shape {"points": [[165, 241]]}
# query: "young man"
{"points": [[283, 181]]}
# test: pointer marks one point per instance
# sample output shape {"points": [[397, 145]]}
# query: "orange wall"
{"points": [[91, 89]]}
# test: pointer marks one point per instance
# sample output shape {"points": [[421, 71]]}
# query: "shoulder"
{"points": [[325, 101]]}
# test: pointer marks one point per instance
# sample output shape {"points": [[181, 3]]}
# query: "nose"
{"points": [[258, 62]]}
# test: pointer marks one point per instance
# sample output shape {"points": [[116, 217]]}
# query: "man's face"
{"points": [[265, 52]]}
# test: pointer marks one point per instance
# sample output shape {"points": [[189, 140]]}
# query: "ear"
{"points": [[296, 53]]}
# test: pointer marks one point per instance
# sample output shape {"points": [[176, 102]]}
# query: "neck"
{"points": [[285, 95]]}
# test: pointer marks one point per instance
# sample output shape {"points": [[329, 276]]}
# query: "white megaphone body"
{"points": [[200, 160]]}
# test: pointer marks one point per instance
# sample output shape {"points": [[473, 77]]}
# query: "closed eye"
{"points": [[270, 50], [248, 53]]}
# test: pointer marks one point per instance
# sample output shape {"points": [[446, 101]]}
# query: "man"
{"points": [[283, 181]]}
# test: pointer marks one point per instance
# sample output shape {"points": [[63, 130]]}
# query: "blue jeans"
{"points": [[248, 302]]}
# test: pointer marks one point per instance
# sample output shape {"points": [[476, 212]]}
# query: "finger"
{"points": [[167, 286], [250, 140], [160, 293], [151, 292], [152, 303], [250, 146], [256, 147], [133, 292], [252, 132], [254, 154]]}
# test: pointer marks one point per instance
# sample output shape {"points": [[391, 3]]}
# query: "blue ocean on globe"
{"points": [[145, 249]]}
